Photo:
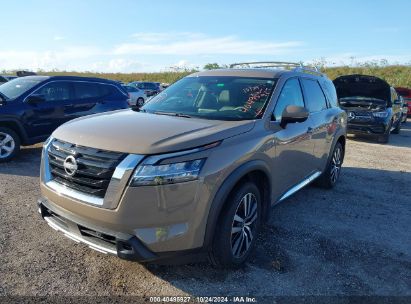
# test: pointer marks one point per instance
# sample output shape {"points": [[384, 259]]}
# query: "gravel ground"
{"points": [[354, 240]]}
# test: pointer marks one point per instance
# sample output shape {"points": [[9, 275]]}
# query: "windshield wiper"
{"points": [[172, 114]]}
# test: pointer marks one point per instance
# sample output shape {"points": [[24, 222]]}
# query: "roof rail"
{"points": [[294, 66]]}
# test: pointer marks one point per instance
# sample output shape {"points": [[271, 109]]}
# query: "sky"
{"points": [[151, 36]]}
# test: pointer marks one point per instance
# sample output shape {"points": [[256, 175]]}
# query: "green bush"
{"points": [[396, 75]]}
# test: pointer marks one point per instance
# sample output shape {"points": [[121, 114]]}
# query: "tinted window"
{"points": [[290, 95], [150, 86], [314, 96], [18, 86], [130, 89], [330, 92], [86, 90], [394, 95], [55, 91]]}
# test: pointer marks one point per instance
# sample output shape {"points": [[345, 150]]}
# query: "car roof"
{"points": [[250, 72], [72, 78], [81, 78]]}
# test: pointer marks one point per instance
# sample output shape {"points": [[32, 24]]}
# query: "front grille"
{"points": [[95, 167]]}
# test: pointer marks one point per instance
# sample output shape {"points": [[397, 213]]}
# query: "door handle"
{"points": [[310, 130]]}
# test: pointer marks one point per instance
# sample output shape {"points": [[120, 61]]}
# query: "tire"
{"points": [[329, 178], [140, 102], [9, 144], [230, 250], [398, 127], [385, 138]]}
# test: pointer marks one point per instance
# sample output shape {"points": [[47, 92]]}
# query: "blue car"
{"points": [[32, 107]]}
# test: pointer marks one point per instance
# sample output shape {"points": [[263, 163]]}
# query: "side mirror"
{"points": [[2, 101], [35, 99], [292, 114]]}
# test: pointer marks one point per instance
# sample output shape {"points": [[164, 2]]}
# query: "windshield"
{"points": [[209, 97], [17, 87]]}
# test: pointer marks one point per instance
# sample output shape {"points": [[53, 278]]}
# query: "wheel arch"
{"points": [[255, 170], [16, 126]]}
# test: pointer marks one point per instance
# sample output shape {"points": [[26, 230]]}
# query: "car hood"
{"points": [[144, 133], [368, 87]]}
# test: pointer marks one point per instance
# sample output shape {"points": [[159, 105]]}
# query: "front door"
{"points": [[45, 116], [293, 160]]}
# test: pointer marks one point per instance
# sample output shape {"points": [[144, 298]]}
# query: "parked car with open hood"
{"points": [[32, 107], [194, 174], [372, 105]]}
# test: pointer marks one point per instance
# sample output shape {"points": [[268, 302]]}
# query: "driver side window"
{"points": [[55, 91], [291, 94]]}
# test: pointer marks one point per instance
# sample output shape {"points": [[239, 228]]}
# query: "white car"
{"points": [[137, 97]]}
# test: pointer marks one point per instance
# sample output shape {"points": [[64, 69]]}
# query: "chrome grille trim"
{"points": [[115, 189]]}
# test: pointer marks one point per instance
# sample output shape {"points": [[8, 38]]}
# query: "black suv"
{"points": [[32, 107], [372, 105]]}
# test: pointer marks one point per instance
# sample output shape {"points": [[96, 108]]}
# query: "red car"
{"points": [[406, 94]]}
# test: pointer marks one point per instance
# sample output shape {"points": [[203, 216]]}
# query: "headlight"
{"points": [[380, 114], [152, 175]]}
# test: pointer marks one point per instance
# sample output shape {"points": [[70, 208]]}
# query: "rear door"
{"points": [[44, 117], [293, 159], [321, 118], [85, 101]]}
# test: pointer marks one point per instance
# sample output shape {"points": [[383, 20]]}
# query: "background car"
{"points": [[137, 97], [372, 105], [406, 94], [32, 107], [149, 88], [404, 105]]}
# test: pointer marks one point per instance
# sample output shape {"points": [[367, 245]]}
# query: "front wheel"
{"points": [[331, 174], [238, 227], [398, 127], [9, 144]]}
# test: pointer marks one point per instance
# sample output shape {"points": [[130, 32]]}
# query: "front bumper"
{"points": [[108, 242], [367, 128], [124, 246]]}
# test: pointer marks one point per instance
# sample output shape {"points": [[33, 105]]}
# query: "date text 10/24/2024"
{"points": [[188, 299]]}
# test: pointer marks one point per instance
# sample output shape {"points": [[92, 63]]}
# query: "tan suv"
{"points": [[196, 170]]}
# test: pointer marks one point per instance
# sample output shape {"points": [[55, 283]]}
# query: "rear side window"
{"points": [[314, 95], [85, 90], [290, 95], [330, 93], [130, 89], [55, 91]]}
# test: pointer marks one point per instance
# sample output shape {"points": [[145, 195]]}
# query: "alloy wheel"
{"points": [[336, 163], [7, 145], [244, 225]]}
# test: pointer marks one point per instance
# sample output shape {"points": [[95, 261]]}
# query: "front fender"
{"points": [[225, 189]]}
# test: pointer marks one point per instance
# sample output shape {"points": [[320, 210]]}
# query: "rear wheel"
{"points": [[238, 227], [9, 144], [331, 174], [397, 128]]}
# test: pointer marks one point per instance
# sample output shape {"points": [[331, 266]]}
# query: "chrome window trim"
{"points": [[115, 189], [68, 80]]}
